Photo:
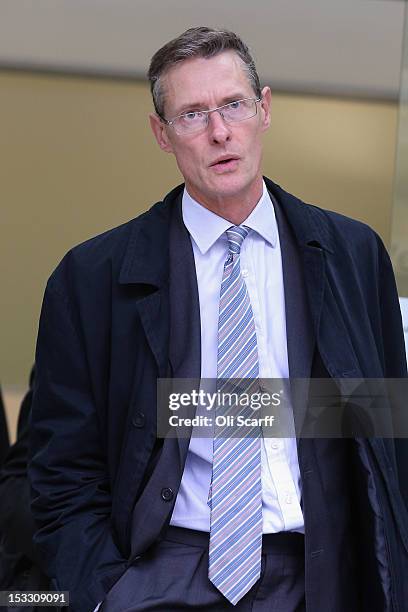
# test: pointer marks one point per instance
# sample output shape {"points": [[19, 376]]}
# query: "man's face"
{"points": [[202, 84]]}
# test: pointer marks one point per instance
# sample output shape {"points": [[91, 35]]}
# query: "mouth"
{"points": [[226, 162]]}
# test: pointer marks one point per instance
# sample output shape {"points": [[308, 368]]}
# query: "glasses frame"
{"points": [[207, 113]]}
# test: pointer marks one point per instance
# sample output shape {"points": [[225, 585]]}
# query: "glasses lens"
{"points": [[196, 121], [239, 110], [190, 122]]}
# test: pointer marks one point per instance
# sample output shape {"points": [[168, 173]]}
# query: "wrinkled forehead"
{"points": [[205, 82]]}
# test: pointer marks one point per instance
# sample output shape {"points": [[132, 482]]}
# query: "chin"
{"points": [[229, 186]]}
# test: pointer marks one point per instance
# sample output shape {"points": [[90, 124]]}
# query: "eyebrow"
{"points": [[201, 105]]}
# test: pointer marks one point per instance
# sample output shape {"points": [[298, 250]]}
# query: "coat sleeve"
{"points": [[71, 496], [394, 357]]}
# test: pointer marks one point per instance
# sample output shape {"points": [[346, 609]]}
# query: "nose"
{"points": [[219, 131]]}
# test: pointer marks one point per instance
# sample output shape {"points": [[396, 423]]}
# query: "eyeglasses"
{"points": [[195, 121]]}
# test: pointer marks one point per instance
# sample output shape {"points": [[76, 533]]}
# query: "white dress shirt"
{"points": [[261, 266]]}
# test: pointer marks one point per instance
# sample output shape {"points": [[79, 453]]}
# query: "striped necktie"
{"points": [[235, 495]]}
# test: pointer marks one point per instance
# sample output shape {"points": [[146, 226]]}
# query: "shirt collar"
{"points": [[205, 227]]}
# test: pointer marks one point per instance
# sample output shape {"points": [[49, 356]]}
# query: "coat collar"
{"points": [[316, 242], [308, 222], [146, 261], [146, 258]]}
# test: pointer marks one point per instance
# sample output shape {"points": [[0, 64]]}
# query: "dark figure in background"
{"points": [[19, 563], [4, 438]]}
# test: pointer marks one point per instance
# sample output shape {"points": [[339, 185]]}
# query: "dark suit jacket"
{"points": [[105, 337], [19, 568], [16, 524], [4, 439]]}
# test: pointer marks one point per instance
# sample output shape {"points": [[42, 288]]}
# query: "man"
{"points": [[228, 277]]}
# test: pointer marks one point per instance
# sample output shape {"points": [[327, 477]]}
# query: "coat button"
{"points": [[167, 494], [139, 419]]}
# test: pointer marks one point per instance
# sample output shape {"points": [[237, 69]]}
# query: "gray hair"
{"points": [[197, 42]]}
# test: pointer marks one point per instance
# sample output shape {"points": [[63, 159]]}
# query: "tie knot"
{"points": [[236, 236]]}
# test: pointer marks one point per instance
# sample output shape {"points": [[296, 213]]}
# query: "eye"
{"points": [[235, 105], [192, 116]]}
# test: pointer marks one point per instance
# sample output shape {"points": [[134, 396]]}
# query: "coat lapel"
{"points": [[298, 319], [146, 266], [185, 334], [317, 258], [160, 261], [185, 338]]}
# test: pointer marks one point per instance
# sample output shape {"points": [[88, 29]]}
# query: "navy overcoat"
{"points": [[103, 341]]}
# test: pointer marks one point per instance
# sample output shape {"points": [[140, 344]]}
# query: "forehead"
{"points": [[205, 82]]}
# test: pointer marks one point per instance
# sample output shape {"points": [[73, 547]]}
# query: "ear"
{"points": [[160, 133], [265, 108]]}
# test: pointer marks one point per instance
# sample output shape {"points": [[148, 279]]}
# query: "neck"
{"points": [[232, 208]]}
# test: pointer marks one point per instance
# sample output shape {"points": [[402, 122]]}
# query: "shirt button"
{"points": [[288, 498], [167, 494], [275, 445], [244, 273]]}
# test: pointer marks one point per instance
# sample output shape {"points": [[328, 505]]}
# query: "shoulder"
{"points": [[348, 233], [102, 256], [92, 257], [336, 232]]}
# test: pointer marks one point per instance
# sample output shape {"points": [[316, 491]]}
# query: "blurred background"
{"points": [[77, 156]]}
